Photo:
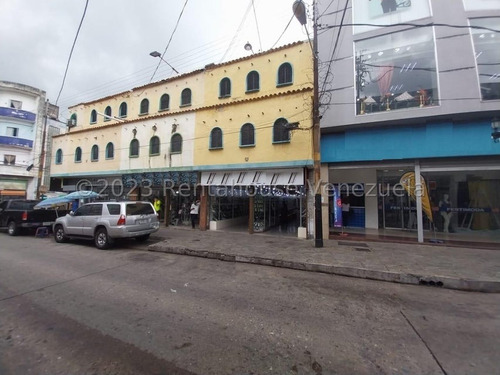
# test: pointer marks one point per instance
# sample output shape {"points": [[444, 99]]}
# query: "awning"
{"points": [[273, 177]]}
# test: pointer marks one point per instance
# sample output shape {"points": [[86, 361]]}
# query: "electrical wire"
{"points": [[335, 46], [168, 44], [245, 15], [283, 33], [257, 25], [72, 48]]}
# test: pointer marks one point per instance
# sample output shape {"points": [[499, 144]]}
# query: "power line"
{"points": [[168, 44], [335, 46], [283, 33], [72, 48], [257, 25]]}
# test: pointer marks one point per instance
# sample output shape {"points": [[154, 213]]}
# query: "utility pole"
{"points": [[41, 164], [299, 10]]}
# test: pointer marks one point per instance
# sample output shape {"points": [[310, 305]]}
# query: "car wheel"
{"points": [[101, 239], [12, 228], [59, 234], [142, 238]]}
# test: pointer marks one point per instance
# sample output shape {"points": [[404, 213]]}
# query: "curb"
{"points": [[363, 273]]}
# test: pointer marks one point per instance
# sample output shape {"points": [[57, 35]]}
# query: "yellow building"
{"points": [[253, 140], [128, 144], [238, 135]]}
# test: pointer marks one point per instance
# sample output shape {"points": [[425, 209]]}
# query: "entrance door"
{"points": [[396, 208]]}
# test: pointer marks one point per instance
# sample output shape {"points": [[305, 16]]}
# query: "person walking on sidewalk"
{"points": [[195, 209]]}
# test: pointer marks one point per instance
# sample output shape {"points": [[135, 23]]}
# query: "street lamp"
{"points": [[248, 47], [158, 54], [299, 10]]}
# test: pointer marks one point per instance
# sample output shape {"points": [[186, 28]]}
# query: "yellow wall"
{"points": [[172, 86], [262, 109], [262, 115], [85, 140]]}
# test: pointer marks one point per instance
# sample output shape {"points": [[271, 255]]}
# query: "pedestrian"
{"points": [[157, 206], [195, 209], [74, 205]]}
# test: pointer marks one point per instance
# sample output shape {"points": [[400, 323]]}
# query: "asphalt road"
{"points": [[73, 309]]}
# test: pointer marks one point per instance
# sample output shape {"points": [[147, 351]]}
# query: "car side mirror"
{"points": [[72, 213]]}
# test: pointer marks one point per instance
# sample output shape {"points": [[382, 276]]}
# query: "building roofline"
{"points": [[194, 72], [197, 109]]}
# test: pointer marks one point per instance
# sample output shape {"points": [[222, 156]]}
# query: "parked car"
{"points": [[19, 214], [106, 221]]}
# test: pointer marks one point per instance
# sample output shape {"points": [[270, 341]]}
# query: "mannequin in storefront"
{"points": [[444, 210]]}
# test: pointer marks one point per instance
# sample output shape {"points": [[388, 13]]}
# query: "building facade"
{"points": [[413, 89], [254, 141], [237, 136], [22, 120]]}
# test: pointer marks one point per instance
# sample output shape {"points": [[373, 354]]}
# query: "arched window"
{"points": [[94, 153], [253, 81], [110, 151], [285, 74], [144, 107], [176, 144], [123, 110], [93, 116], [108, 113], [164, 102], [215, 139], [154, 146], [72, 120], [281, 133], [247, 135], [134, 148], [225, 88], [186, 97], [78, 155], [59, 156]]}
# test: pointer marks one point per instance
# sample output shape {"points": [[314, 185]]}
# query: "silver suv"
{"points": [[106, 221]]}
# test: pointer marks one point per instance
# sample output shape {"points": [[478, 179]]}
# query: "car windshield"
{"points": [[139, 209]]}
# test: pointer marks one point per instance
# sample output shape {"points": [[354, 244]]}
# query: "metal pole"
{"points": [[318, 226], [41, 164], [418, 195]]}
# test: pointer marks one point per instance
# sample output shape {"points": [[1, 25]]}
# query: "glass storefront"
{"points": [[463, 202], [396, 71]]}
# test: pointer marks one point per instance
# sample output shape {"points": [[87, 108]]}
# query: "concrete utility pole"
{"points": [[41, 164], [299, 11]]}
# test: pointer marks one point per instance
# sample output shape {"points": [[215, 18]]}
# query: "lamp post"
{"points": [[299, 10], [158, 54]]}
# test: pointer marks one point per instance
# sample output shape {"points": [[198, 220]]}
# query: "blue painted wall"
{"points": [[445, 139]]}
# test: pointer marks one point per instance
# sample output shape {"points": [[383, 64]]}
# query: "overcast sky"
{"points": [[112, 50]]}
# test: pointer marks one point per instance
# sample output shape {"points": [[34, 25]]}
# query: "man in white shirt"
{"points": [[195, 209]]}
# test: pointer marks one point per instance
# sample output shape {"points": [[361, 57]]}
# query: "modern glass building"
{"points": [[412, 87]]}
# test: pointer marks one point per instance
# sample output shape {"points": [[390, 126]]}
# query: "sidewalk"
{"points": [[438, 266]]}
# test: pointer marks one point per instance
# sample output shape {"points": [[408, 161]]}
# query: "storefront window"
{"points": [[464, 205], [396, 71], [487, 52]]}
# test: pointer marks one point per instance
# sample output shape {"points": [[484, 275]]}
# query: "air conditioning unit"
{"points": [[71, 123]]}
